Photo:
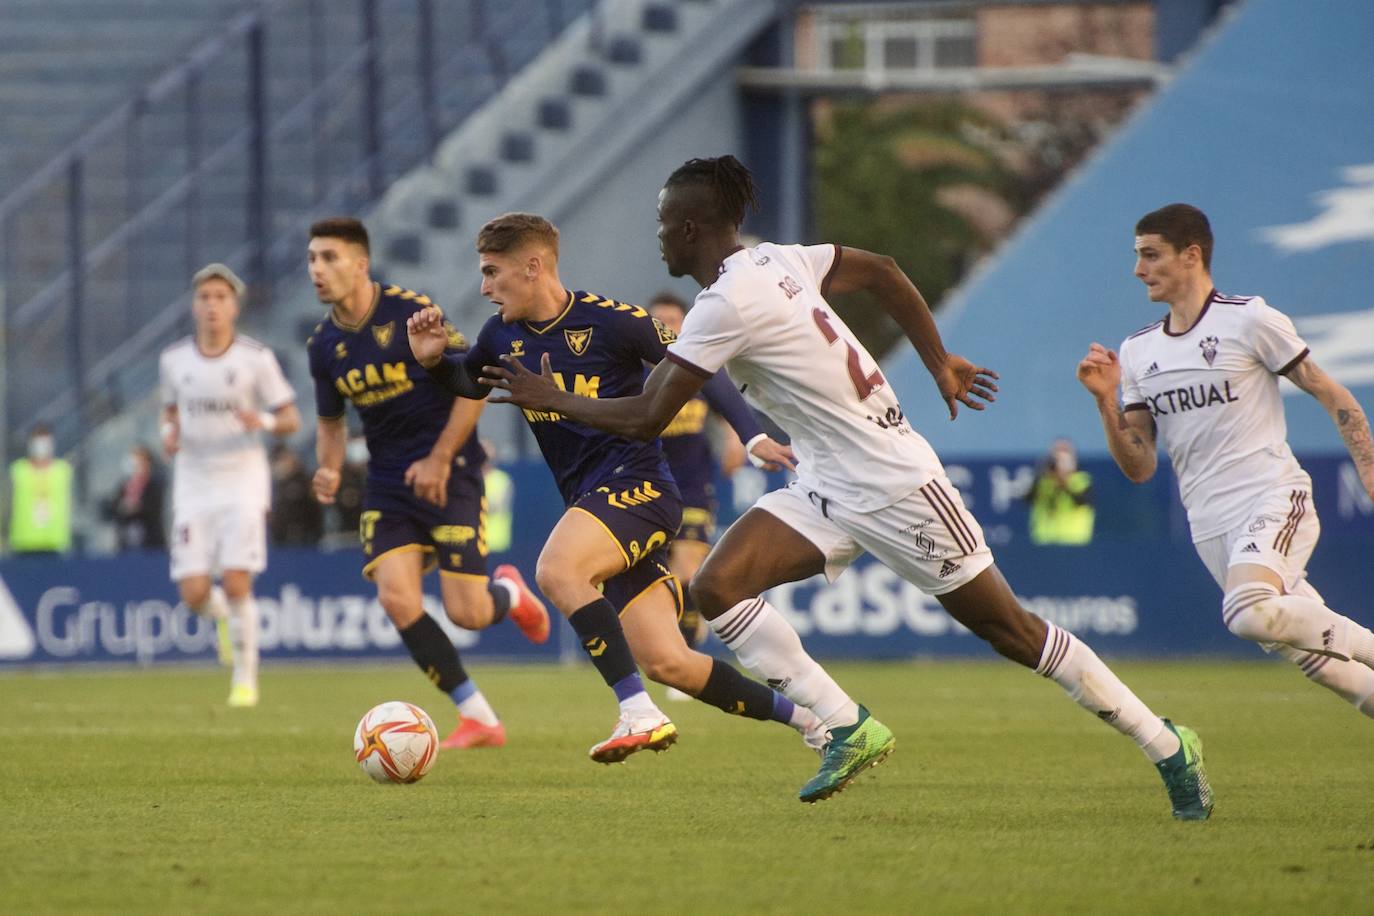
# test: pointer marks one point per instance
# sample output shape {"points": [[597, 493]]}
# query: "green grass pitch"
{"points": [[140, 792]]}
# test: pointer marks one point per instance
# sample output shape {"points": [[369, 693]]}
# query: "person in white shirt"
{"points": [[220, 391], [1205, 378], [866, 480]]}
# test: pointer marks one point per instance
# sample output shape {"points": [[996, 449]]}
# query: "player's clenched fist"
{"points": [[427, 335], [1100, 372], [325, 484]]}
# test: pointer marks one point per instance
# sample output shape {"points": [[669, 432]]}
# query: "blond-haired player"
{"points": [[220, 391]]}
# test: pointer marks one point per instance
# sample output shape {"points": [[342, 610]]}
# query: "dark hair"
{"points": [[726, 180], [513, 230], [667, 297], [1180, 225], [347, 228]]}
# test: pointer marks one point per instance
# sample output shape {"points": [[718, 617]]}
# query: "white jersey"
{"points": [[1213, 391], [219, 462], [765, 319]]}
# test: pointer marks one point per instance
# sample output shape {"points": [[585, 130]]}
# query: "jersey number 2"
{"points": [[864, 385]]}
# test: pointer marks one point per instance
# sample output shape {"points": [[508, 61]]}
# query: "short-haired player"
{"points": [[1204, 379], [220, 391], [604, 565], [423, 505]]}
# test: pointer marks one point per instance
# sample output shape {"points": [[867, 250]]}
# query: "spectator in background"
{"points": [[40, 498], [296, 518], [1061, 499], [135, 507], [500, 498]]}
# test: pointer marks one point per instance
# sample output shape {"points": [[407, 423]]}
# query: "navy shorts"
{"points": [[627, 587], [641, 516], [453, 538]]}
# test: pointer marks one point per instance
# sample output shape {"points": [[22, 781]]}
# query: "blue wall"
{"points": [[1139, 590]]}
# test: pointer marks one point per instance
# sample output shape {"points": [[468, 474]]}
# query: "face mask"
{"points": [[356, 452], [40, 448]]}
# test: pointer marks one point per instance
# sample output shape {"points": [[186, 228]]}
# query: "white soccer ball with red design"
{"points": [[396, 742]]}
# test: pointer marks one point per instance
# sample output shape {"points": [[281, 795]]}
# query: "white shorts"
{"points": [[928, 537], [1280, 535], [211, 541]]}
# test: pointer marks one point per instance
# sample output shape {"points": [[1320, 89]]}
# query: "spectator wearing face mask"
{"points": [[135, 507], [1061, 499], [40, 498]]}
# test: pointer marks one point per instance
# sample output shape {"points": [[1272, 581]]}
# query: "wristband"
{"points": [[268, 421], [755, 460]]}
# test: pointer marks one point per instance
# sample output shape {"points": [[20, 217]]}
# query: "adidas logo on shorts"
{"points": [[948, 568], [1250, 548]]}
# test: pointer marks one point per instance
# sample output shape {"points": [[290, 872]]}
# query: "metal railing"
{"points": [[293, 109]]}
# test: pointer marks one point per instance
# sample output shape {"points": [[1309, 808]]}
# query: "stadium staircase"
{"points": [[560, 128]]}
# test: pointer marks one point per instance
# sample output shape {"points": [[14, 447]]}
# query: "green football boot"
{"points": [[1189, 791], [851, 750]]}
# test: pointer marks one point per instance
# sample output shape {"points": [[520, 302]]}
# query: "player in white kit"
{"points": [[220, 390], [1205, 378], [866, 481]]}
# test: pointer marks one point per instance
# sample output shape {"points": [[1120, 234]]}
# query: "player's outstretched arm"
{"points": [[1130, 433], [959, 381], [1345, 412], [642, 416]]}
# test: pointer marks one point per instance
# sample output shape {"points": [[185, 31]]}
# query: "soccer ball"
{"points": [[396, 742]]}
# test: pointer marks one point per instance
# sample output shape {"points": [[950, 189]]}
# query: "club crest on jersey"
{"points": [[1209, 348], [578, 341], [228, 376], [666, 335], [382, 333], [517, 348]]}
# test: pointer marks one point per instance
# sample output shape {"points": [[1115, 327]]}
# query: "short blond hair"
{"points": [[511, 231], [217, 271]]}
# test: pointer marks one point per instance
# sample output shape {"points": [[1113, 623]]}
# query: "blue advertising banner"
{"points": [[1137, 590]]}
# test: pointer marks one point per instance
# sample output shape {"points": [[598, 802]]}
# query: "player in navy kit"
{"points": [[605, 562], [424, 504]]}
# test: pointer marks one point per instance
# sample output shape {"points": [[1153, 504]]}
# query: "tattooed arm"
{"points": [[1130, 433], [1350, 420]]}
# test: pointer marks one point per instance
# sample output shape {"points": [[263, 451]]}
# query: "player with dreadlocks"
{"points": [[866, 480]]}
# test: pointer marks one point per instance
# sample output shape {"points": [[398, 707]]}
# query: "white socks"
{"points": [[243, 631], [477, 707], [1072, 665], [1257, 612], [769, 647]]}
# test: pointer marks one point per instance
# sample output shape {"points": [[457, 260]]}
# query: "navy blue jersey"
{"points": [[597, 347], [403, 410], [685, 441], [686, 444]]}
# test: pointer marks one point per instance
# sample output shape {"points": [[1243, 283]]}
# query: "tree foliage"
{"points": [[887, 179]]}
